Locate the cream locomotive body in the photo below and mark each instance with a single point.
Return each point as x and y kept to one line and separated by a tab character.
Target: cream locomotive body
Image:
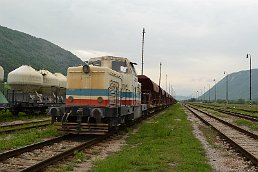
100	95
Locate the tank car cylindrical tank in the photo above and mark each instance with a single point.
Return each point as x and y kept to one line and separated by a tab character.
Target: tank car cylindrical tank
62	82
50	82
25	78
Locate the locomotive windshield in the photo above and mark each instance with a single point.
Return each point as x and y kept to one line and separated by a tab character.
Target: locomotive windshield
95	63
119	66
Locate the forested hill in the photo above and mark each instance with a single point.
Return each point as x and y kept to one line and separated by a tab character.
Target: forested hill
17	48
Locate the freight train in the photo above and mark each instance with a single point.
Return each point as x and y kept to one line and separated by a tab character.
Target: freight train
105	93
31	91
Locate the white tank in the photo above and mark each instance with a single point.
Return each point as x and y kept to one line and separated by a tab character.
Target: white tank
1	73
25	78
62	83
62	80
50	82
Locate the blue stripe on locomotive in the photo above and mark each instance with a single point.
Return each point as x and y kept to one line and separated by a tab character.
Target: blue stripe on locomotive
99	92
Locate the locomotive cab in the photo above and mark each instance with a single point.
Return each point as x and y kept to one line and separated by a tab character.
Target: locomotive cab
100	95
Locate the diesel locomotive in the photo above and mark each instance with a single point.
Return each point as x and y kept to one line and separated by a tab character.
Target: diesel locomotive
103	94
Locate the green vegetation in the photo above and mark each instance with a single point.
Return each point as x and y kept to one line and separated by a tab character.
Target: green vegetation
6	116
210	134
165	143
78	157
249	124
26	137
17	48
244	109
21	127
223	101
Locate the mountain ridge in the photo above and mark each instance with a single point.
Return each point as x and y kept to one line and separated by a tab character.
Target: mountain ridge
238	87
19	48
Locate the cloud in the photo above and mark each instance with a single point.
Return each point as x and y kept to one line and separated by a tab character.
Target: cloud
85	55
196	41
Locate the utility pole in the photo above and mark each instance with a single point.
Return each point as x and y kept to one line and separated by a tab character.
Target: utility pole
166	82
215	98
249	55
204	93
143	32
169	88
201	95
226	86
159	73
209	93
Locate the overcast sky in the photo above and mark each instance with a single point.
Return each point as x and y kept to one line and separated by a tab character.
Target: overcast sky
195	40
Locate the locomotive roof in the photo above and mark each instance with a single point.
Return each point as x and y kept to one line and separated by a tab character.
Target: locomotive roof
109	57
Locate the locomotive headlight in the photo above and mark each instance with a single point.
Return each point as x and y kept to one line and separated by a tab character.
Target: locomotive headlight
86	68
100	99
70	98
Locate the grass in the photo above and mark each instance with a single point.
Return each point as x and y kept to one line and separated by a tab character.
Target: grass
26	137
6	116
244	109
78	157
165	143
242	122
25	126
210	135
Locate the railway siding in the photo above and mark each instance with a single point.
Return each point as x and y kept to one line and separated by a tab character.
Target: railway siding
36	158
244	143
249	124
4	129
229	121
230	111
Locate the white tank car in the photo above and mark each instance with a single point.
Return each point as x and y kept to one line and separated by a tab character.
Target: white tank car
62	82
1	74
25	78
50	83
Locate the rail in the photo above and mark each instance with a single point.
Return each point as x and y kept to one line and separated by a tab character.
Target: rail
234	137
22	126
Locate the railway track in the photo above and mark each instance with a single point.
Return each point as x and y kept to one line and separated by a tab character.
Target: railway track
23	126
36	157
237	114
244	141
